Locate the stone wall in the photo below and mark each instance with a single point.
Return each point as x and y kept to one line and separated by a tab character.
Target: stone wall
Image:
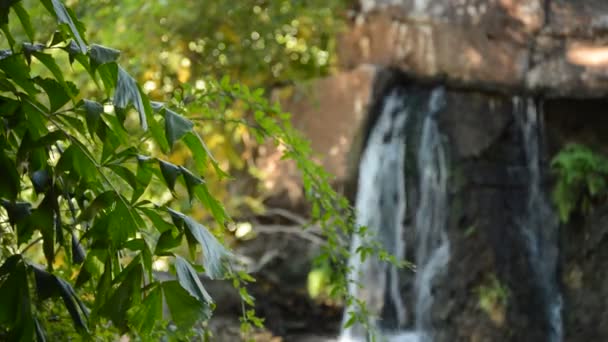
553	47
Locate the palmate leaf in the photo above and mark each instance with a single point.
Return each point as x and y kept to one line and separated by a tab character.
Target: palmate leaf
215	254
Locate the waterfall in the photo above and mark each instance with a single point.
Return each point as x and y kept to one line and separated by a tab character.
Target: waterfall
381	207
432	247
540	224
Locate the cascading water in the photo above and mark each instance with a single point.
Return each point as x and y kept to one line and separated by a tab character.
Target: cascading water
432	246
381	206
540	225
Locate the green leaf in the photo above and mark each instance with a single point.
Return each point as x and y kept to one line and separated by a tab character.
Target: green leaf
10	182
167	241
148	312
143	176
55	91
74	159
15	68
198	149
123	224
121	300
211	203
185	309
142	246
176	126
170	173
5	5
191	181
15	311
101	202
126	93
49	62
25	20
214	252
109	76
64	17
6	31
93	111
101	54
159	223
124	173
188	279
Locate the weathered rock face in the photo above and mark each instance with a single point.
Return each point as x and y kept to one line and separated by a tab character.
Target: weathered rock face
553	47
486	52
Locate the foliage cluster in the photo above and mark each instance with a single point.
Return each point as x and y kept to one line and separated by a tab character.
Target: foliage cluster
82	220
493	297
582	179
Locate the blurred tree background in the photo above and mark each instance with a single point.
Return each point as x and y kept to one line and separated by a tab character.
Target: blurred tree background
258	43
176	48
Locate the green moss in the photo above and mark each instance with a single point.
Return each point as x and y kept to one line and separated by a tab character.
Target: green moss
582	180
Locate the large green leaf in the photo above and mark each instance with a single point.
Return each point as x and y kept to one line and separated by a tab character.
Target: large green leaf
127	92
93	111
65	17
108	73
170	173
123	224
56	93
198	149
185	309
215	254
124	297
149	312
75	160
167	241
50	63
188	279
15	68
176	126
